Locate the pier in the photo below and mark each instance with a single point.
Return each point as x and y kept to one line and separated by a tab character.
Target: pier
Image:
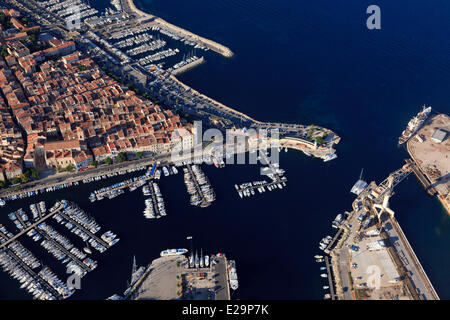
421	177
20	220
332	242
63	249
33	274
404	275
32	226
88	232
204	201
188	66
330	278
154	200
101	194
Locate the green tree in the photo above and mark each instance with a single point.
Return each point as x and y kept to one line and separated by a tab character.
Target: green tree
108	160
121	157
3	184
139	154
24	178
15	180
4	20
4	51
82	68
24	20
34	173
69	168
94	163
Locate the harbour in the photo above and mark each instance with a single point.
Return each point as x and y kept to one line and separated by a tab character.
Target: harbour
424	216
20	262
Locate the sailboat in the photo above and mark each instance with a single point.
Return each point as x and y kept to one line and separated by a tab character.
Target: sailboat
191	260
191	257
201	258
196	260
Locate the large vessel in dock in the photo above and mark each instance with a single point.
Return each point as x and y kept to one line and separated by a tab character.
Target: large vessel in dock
414	125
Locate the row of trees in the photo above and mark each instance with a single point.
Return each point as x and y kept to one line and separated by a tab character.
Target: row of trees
121	157
28	175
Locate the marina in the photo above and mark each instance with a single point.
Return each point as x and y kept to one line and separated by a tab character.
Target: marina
36	190
414	221
21	263
198	186
133	38
273	171
154	206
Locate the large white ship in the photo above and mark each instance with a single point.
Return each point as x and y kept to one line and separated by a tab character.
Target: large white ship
173	252
232	275
414	125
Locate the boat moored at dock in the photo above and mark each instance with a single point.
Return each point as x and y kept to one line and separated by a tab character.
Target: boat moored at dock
414	125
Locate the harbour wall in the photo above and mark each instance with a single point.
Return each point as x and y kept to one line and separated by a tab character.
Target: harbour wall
416	261
188	66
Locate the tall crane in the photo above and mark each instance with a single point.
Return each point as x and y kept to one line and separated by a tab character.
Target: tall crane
385	190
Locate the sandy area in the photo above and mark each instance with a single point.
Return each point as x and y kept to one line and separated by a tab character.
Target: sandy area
433	157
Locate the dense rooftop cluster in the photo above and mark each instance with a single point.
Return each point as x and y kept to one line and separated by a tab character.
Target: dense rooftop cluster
61	109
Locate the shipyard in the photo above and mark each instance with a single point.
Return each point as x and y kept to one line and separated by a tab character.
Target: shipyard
371	259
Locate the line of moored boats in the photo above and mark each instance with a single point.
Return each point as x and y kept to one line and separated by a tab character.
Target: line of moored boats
198	186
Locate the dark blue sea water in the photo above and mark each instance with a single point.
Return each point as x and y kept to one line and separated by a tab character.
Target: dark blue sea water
301	62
